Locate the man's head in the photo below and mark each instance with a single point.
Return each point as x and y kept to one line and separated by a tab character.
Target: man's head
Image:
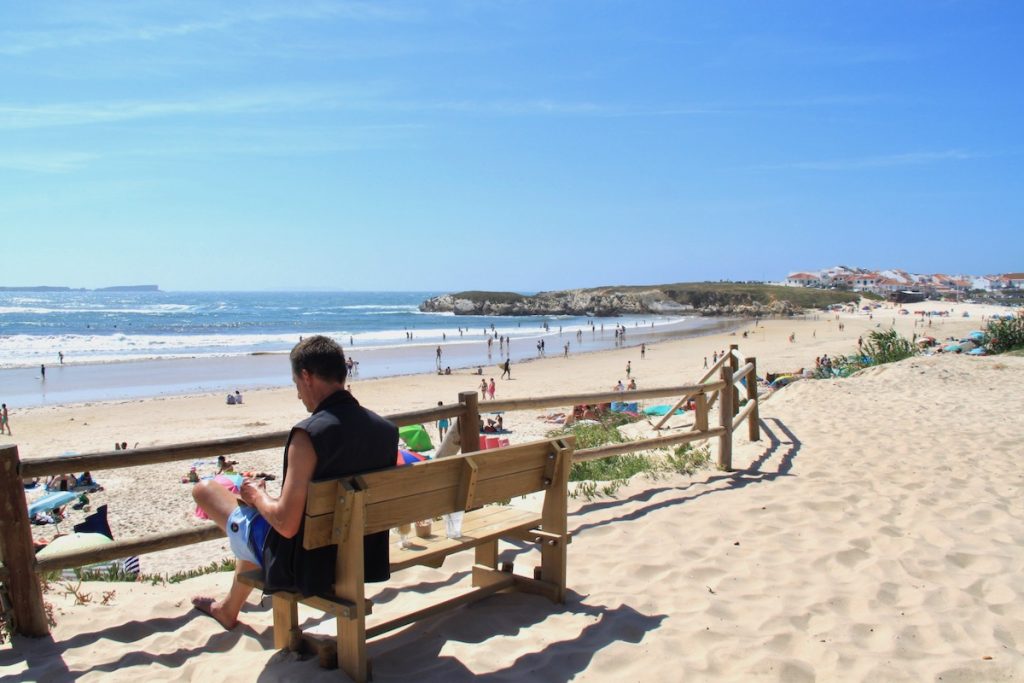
320	356
318	369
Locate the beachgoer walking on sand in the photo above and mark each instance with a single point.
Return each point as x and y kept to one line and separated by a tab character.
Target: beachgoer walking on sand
5	421
629	368
643	351
566	354
705	362
483	390
339	438
442	425
490	389
506	368
714	356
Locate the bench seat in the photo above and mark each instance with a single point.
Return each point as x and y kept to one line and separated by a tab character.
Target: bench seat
340	512
478	527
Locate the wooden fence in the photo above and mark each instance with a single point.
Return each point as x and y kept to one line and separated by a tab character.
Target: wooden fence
20	570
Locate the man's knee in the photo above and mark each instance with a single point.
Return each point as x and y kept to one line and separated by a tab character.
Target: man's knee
201	491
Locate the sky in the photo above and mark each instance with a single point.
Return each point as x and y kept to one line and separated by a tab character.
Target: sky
518	145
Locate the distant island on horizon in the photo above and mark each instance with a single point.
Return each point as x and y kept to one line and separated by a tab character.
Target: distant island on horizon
116	288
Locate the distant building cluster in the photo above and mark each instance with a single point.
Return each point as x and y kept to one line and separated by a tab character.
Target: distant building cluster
891	282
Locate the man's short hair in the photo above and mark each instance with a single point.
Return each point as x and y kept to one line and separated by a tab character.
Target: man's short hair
320	356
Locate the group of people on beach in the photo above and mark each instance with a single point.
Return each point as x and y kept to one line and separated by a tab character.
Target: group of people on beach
487	390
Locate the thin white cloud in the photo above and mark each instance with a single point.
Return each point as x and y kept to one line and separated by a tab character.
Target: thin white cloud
882	161
45	162
15	43
363	98
14	117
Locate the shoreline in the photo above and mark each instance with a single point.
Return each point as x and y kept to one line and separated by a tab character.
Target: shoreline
75	383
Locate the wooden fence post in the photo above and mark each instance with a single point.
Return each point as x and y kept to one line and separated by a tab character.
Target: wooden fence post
700	417
469	423
16	549
754	421
734	365
725	421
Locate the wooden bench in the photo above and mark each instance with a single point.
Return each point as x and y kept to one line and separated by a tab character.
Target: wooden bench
340	512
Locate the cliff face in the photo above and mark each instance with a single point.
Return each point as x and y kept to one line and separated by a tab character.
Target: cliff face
607	302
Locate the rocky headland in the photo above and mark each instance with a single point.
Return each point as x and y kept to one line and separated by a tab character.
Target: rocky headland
732	299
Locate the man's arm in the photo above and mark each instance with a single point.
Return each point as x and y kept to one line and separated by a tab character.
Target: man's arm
285	513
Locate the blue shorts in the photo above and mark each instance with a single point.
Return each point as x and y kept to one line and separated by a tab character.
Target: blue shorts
247	534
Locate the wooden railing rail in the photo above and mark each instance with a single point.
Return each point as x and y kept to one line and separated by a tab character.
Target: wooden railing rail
20	570
593	398
106	460
695	389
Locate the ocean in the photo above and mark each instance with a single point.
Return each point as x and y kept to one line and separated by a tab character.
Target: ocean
137	344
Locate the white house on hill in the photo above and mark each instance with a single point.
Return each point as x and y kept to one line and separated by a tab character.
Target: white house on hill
803	280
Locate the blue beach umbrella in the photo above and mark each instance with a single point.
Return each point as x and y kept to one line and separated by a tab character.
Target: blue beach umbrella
51	501
409	457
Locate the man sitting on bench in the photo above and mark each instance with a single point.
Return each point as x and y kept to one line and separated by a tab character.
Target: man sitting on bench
340	438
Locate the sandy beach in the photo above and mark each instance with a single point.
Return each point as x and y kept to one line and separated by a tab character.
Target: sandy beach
874	533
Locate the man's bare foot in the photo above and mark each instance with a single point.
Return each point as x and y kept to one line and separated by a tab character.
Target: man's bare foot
215	610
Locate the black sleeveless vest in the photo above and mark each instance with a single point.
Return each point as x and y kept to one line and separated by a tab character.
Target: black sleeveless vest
348	439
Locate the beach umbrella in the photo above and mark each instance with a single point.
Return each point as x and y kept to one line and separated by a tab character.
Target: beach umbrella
415	437
51	501
976	335
409	457
75	541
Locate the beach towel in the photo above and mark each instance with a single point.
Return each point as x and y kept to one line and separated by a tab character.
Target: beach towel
661	410
96	523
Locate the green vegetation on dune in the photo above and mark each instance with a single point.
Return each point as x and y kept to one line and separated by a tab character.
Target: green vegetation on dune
1003	335
605	476
700	294
494	297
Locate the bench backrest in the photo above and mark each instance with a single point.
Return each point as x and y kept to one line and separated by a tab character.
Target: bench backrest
406	494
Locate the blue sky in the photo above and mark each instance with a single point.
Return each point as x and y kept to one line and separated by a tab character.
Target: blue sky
505	144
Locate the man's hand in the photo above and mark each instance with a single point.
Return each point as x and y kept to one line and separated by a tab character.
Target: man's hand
252	490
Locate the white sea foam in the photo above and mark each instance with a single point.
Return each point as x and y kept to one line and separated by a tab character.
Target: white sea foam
155	309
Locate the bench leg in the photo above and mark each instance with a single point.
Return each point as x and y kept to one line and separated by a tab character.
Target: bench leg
286	623
352	648
552	567
487	556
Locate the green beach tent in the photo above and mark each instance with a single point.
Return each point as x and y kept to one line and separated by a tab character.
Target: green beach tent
415	437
